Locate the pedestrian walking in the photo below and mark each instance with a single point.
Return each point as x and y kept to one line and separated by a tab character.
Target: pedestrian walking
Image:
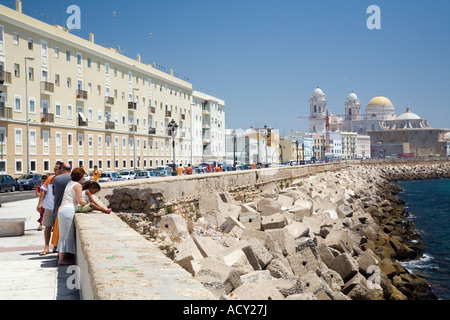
180	170
96	174
38	193
46	201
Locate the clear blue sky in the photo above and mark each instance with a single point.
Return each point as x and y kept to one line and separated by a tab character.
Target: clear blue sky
265	58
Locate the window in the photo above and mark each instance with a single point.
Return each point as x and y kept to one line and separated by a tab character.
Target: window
99	116
46	141
17	104
69	112
30	43
107	69
32	103
19	166
69	140
30	73
79	59
68	56
89	62
90	115
57	80
33	140
56	53
69	83
43	48
16	70
16	39
18	140
98	66
58	110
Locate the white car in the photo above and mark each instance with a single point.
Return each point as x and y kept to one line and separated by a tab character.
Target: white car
126	175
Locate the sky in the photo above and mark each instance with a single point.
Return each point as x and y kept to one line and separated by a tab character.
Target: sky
265	58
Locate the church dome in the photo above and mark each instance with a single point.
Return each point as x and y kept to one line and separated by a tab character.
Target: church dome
408	115
352	96
380	101
380	108
318	92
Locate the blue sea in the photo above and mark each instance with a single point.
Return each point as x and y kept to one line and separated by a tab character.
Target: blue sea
428	202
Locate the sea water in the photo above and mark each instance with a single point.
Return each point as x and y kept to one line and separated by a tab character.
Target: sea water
428	202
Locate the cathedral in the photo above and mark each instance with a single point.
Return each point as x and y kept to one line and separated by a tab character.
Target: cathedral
379	116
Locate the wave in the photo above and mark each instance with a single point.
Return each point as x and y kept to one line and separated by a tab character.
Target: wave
424	263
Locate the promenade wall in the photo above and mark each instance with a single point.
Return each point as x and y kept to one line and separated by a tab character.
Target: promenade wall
117	262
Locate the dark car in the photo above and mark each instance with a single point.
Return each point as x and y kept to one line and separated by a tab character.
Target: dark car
29	181
8	183
163	173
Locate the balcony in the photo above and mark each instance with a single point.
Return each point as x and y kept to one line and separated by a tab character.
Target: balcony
110	125
131	106
109	101
152	110
206	125
183	117
205	111
5	112
133	128
47	117
168	114
47	88
151	131
82	95
6	78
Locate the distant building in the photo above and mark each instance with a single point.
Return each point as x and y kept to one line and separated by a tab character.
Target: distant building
363	149
379	115
418	142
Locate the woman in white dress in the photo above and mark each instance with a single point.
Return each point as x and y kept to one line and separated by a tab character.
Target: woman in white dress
72	198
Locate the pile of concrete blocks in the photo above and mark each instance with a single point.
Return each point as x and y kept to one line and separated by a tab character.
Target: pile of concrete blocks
302	242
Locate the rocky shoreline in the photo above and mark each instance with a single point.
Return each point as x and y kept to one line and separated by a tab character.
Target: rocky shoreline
332	236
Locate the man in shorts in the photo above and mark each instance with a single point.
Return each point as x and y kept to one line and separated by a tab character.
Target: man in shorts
46	201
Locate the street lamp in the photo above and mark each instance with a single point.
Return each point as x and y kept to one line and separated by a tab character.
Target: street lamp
234	150
27	110
134	129
173	126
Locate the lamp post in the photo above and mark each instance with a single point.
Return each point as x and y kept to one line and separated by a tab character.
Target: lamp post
27	110
296	144
303	153
173	126
134	129
234	150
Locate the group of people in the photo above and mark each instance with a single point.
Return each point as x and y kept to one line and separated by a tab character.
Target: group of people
190	170
60	196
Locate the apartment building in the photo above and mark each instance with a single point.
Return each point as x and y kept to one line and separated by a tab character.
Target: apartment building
208	127
67	98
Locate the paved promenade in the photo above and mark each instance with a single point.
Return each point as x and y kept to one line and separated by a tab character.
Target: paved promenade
24	275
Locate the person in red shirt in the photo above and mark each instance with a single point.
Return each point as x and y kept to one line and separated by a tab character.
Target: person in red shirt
189	170
208	168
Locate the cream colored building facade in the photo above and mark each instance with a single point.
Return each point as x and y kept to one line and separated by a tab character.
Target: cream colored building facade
78	98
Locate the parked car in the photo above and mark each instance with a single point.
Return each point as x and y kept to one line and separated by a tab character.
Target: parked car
145	175
109	177
8	183
126	174
163	173
29	181
199	170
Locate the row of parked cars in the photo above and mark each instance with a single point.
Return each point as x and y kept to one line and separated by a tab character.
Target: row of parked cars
122	175
24	182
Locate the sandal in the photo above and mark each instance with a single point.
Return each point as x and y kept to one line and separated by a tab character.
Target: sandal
44	253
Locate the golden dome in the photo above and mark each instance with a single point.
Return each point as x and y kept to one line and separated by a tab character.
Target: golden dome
381	101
